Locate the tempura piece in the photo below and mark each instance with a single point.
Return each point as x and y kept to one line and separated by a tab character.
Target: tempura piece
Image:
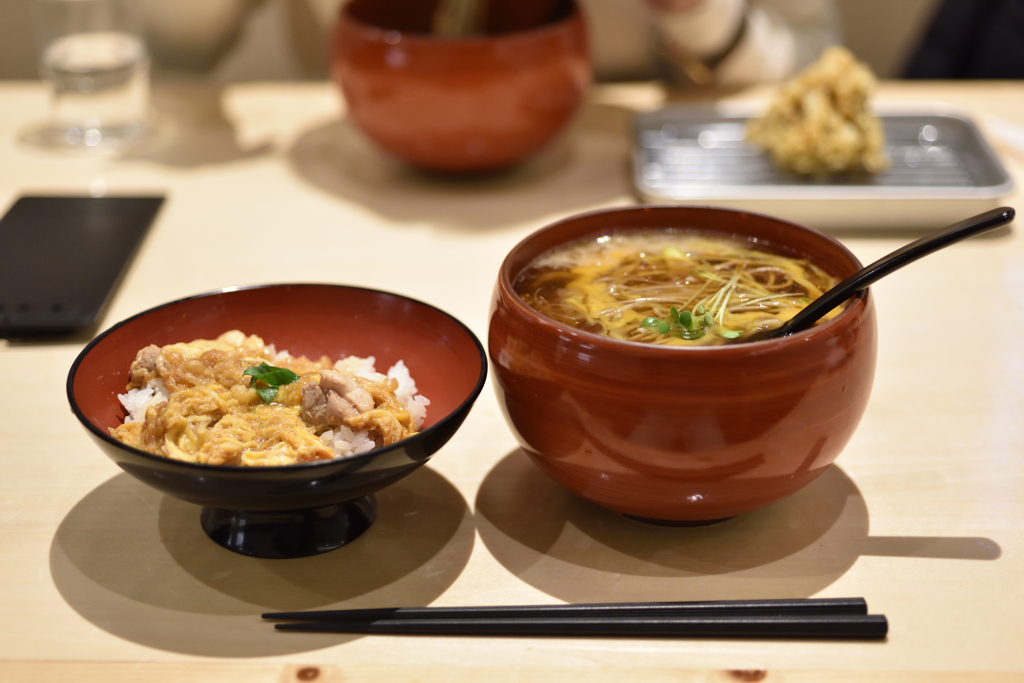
819	122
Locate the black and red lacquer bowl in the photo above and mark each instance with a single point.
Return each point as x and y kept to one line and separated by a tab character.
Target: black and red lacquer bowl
304	509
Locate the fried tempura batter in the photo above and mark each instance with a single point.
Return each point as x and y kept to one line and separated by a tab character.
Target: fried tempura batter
819	122
213	415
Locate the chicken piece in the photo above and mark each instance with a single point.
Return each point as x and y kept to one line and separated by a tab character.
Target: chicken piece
337	397
390	420
143	368
347	387
340	409
313	409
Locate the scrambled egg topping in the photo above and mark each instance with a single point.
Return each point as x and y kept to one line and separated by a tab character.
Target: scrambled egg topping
212	415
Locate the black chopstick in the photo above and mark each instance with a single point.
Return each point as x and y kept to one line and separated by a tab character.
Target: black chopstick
837	618
849	627
713	608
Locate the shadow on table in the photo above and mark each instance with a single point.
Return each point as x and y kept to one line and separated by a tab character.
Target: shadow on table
136	563
191	129
578	552
587	166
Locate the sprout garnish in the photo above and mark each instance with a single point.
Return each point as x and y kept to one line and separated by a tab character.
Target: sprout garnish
681	323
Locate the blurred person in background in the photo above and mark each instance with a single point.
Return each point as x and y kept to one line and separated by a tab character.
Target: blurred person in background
971	39
726	42
703	42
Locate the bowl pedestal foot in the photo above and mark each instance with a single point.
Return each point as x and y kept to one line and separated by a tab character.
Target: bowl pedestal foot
280	534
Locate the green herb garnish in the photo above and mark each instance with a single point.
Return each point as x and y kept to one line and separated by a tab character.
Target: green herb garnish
271	376
681	323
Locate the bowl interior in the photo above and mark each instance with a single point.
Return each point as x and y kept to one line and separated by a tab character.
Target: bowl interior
442	355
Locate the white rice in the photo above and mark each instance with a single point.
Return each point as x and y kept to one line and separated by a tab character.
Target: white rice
407	393
137	401
346	442
342	440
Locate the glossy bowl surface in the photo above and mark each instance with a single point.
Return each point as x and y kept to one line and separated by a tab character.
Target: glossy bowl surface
306	508
461	105
681	434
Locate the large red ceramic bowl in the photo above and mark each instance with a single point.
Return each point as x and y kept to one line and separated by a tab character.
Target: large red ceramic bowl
308	508
461	105
682	434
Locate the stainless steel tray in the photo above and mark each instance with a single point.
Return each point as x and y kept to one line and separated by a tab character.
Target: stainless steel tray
942	169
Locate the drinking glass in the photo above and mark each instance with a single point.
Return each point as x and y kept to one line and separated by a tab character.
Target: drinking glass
95	62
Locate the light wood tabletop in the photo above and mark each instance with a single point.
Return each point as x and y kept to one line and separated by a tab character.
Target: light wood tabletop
103	578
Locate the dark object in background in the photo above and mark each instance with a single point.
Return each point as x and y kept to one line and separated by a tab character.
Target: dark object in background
980	39
62	257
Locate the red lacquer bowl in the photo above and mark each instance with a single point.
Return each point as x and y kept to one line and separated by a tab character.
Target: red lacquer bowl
308	508
461	105
682	434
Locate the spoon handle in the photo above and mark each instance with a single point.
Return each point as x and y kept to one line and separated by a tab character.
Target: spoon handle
863	278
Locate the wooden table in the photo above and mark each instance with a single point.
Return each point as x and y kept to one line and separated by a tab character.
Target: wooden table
104	579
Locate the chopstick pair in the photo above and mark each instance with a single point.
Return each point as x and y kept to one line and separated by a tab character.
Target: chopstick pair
835	618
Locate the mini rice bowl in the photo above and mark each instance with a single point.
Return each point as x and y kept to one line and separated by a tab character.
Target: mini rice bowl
306	508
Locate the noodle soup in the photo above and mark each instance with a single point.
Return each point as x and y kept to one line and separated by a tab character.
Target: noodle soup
672	431
670	287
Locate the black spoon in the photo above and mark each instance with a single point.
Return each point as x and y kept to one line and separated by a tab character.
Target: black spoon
860	280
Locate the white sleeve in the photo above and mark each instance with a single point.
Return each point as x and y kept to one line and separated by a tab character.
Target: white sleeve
775	37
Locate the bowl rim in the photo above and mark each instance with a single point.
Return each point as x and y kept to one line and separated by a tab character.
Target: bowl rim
270	470
855	307
372	31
